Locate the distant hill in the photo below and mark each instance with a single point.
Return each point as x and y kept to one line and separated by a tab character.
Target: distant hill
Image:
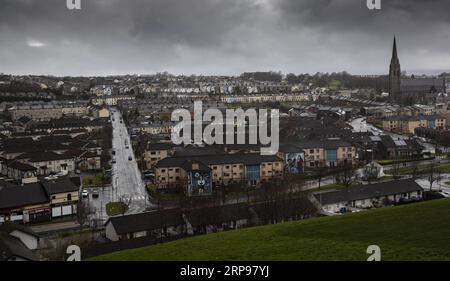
418	231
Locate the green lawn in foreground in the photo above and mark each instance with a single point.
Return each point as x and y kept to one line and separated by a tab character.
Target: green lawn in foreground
419	231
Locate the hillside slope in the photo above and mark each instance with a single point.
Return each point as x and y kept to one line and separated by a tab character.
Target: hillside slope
412	232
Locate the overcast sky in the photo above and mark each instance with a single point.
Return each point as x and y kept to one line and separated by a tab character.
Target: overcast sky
221	36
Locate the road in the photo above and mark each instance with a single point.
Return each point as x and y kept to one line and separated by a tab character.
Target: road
361	125
127	180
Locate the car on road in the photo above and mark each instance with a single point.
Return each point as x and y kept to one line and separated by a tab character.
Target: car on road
126	147
113	152
95	194
85	193
130	158
114	161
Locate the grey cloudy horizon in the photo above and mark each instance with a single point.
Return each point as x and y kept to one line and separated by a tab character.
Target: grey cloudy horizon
221	37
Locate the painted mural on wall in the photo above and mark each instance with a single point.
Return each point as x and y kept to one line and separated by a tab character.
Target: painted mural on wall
201	183
294	163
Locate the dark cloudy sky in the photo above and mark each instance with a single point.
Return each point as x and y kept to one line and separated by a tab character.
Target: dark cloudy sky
221	36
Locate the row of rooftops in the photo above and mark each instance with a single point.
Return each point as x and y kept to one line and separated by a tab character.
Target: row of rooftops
210	215
364	192
414	118
246	159
31	147
218	149
14	196
13	245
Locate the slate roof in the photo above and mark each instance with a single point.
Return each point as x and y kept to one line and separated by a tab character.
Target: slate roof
218	214
60	185
146	221
246	159
368	191
18	196
11	247
20	166
9	227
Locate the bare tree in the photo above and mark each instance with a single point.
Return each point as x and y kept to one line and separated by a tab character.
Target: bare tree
414	169
433	174
347	175
126	203
321	172
83	213
396	171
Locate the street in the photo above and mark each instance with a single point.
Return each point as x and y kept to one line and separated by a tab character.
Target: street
361	125
127	182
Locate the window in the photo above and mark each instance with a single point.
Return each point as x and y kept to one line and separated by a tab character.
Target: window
69	197
163	170
311	151
177	170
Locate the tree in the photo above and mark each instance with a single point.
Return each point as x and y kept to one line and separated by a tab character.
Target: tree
321	172
414	169
347	175
396	171
433	174
83	213
126	203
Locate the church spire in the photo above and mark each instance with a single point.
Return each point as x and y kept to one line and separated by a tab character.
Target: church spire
395	75
394	51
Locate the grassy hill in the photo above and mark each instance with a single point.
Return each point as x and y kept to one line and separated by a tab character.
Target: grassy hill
411	232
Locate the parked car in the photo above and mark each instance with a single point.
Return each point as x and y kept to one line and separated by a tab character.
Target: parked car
444	194
95	194
85	193
130	158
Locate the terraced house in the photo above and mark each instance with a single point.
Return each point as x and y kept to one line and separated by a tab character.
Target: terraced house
192	173
407	124
328	153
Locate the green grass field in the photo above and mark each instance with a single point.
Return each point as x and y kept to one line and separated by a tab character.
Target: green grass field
116	208
422	169
418	231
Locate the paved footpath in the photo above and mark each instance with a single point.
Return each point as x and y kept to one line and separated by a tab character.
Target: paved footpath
42	228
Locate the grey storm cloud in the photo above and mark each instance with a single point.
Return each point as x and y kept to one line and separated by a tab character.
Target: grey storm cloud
220	36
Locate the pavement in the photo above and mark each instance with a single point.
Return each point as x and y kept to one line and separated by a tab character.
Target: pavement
50	227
